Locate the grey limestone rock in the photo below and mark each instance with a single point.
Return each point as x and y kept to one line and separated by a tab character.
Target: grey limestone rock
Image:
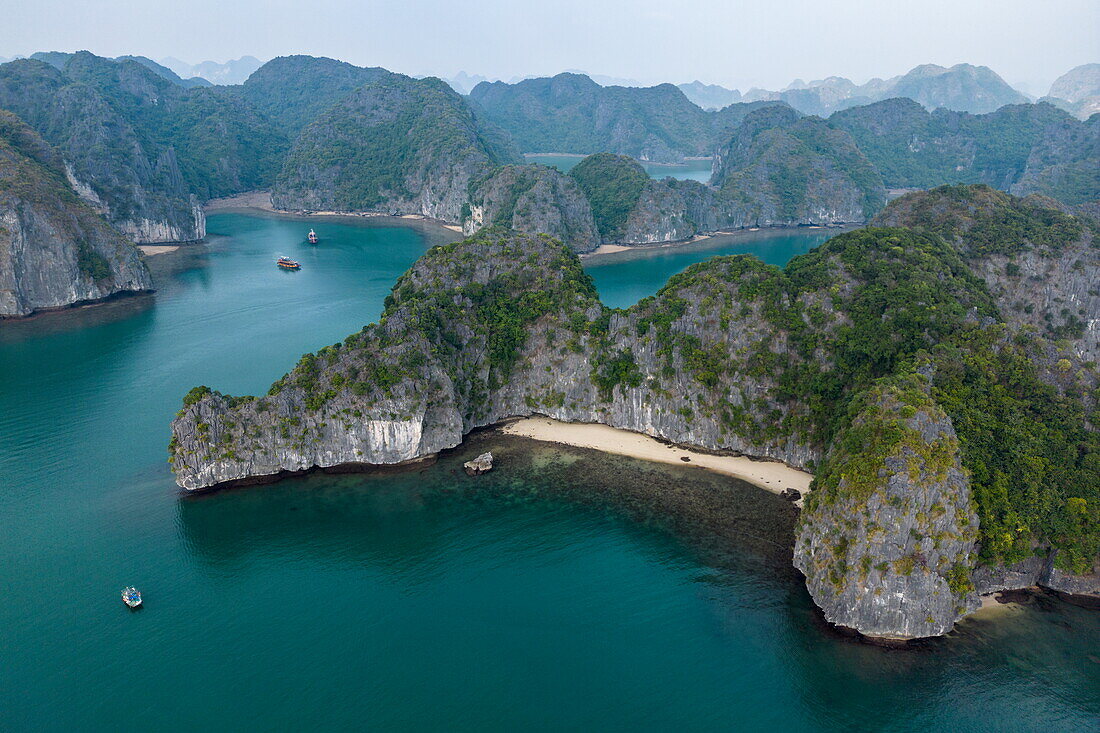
886	537
481	464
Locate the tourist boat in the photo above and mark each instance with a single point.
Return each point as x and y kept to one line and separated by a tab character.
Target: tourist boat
287	264
131	596
312	237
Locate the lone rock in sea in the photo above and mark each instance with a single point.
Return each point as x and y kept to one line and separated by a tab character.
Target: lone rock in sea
481	464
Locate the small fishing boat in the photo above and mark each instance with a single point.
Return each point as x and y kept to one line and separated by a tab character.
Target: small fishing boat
312	237
287	264
131	596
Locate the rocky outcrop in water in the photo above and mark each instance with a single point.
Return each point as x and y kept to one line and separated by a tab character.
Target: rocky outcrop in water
482	464
54	250
499	325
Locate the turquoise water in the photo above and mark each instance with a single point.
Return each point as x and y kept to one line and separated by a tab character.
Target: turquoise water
692	170
550	594
624	278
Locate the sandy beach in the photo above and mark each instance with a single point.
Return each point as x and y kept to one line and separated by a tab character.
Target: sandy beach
716	239
770	475
157	249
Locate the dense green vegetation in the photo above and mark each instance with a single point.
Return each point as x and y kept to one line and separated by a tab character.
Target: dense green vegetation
1065	163
1026	147
221	145
613	184
797	164
292	91
1034	462
382	141
141	142
912	291
981	221
1031	455
570	113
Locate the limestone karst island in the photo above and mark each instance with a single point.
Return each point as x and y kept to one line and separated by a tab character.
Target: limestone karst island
544	370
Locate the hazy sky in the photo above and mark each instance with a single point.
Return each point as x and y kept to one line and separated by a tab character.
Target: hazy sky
732	42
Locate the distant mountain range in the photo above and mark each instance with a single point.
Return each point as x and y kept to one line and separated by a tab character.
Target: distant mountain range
235	71
963	88
1077	91
208	73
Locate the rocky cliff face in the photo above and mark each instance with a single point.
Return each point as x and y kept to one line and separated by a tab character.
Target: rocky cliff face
661	215
142	150
54	250
886	537
140	191
533	199
345	159
498	325
703	363
814	365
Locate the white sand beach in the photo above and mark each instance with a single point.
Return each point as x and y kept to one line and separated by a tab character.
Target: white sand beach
770	475
157	249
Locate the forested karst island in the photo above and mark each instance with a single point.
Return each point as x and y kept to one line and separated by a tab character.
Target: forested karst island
925	371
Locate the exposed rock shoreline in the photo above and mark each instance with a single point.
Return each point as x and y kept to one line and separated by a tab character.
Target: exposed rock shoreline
712	521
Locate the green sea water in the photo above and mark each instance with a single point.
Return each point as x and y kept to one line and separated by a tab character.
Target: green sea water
691	170
564	590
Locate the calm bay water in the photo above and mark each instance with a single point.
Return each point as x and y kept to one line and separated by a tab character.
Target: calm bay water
548	594
692	170
624	278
